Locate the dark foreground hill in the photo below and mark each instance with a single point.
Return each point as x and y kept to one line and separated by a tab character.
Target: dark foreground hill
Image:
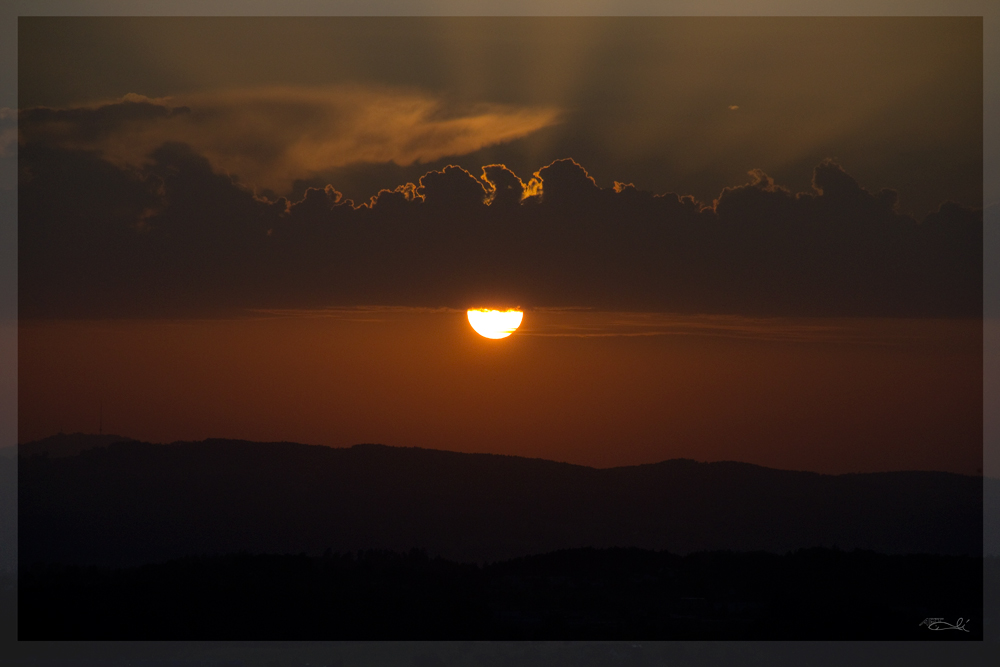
130	503
569	595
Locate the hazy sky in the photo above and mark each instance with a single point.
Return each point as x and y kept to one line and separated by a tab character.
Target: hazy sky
144	141
591	388
651	101
179	153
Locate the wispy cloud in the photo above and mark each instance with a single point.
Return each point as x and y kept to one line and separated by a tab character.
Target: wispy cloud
348	314
269	137
581	323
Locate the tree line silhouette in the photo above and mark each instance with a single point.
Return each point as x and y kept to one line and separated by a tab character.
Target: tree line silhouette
570	594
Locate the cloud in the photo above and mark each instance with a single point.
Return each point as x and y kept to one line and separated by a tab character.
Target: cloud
506	187
177	237
270	137
565	181
452	187
595	324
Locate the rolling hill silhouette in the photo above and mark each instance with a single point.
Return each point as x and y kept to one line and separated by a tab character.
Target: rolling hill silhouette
128	503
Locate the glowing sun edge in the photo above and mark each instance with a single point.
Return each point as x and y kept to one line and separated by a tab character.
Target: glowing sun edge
494	323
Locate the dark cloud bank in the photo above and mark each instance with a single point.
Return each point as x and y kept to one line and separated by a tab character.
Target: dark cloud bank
175	238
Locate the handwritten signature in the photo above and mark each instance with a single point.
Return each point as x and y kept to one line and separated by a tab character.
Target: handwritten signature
939	624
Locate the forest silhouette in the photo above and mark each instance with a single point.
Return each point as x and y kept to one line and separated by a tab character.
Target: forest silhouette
130	503
578	594
226	539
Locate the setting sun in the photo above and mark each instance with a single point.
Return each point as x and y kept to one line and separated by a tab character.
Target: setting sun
494	323
749	402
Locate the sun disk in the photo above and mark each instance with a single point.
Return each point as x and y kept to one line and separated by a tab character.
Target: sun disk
495	324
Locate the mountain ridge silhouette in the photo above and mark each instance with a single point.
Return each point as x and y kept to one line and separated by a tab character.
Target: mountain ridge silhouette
130	502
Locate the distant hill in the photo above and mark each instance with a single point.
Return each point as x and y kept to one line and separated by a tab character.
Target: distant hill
66	444
130	502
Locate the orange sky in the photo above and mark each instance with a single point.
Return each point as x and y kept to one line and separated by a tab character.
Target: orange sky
196	117
599	389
